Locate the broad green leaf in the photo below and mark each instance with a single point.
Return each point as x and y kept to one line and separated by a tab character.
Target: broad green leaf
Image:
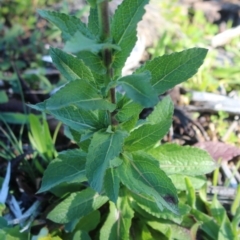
64	188
77	205
163	110
104	119
127	109
140	173
72	134
173	231
70	67
139	89
111	184
69	25
93	23
80	42
89	222
93	61
129	124
117	225
128	113
78	119
170	70
104	147
86	223
186	160
78	94
155	128
179	181
69	166
123	29
149	205
145	137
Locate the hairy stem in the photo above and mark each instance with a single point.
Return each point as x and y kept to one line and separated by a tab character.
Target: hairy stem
104	25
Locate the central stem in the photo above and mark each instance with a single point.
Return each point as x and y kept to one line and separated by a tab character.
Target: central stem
104	26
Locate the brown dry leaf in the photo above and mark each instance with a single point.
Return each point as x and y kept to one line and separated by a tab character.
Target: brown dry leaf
219	150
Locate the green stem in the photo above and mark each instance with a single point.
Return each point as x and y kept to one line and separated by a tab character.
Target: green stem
104	26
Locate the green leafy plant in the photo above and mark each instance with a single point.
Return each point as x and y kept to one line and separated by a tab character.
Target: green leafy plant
120	159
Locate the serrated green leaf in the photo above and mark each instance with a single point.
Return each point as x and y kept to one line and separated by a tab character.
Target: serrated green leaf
93	61
104	119
70	67
72	134
69	166
66	188
156	127
69	25
145	136
80	42
93	23
127	109
78	119
86	223
129	124
89	222
186	160
128	113
139	89
117	225
111	184
76	206
103	148
164	109
149	134
170	70
123	29
149	205
141	174
78	94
